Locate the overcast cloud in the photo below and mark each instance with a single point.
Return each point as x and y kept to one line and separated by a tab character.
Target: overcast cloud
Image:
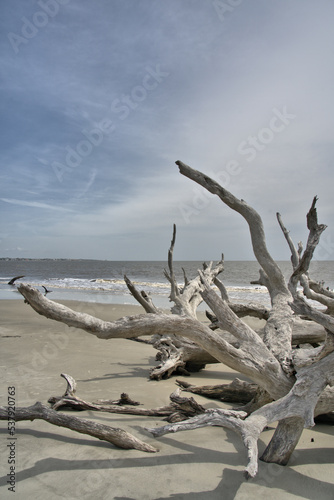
99	99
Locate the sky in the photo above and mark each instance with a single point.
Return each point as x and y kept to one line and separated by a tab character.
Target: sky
100	98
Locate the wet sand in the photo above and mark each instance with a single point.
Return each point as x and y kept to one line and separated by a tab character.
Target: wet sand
55	463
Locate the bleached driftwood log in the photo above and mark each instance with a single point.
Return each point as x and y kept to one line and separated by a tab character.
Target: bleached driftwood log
237	391
113	435
298	387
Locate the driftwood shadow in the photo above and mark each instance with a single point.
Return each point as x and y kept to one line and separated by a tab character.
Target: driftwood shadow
284	479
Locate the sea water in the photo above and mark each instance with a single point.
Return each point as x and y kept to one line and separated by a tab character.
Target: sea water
103	281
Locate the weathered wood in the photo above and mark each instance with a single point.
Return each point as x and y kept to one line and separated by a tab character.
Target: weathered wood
301	263
237	391
284	441
315	231
70	400
300	306
307	332
319	288
303	331
178	355
295	255
143	299
179	408
115	436
253	310
251	343
186	299
280	317
299	405
252	218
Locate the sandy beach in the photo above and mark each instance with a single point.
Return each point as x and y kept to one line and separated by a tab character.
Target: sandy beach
204	464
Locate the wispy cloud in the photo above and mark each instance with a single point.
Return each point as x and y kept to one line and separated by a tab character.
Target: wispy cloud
35	204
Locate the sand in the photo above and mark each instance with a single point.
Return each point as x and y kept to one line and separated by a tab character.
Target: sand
56	463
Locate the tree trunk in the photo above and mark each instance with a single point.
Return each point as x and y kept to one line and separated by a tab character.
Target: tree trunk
284	441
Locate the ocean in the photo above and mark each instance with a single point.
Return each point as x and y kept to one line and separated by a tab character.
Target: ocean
101	281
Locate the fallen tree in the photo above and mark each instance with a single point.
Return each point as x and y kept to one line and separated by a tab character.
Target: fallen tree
293	385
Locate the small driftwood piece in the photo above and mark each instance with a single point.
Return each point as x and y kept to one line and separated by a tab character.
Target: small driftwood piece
115	436
70	400
179	409
237	391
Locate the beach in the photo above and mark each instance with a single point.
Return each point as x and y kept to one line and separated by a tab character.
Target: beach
203	464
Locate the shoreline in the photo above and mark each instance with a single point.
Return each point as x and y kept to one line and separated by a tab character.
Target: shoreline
202	464
241	294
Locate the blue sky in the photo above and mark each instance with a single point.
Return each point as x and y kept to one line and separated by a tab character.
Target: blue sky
100	98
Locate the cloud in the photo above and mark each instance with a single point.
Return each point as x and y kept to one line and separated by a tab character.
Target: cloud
35	204
217	82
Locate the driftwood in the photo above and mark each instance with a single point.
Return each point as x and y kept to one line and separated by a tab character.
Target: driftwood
115	436
70	400
294	385
179	408
178	355
188	297
299	403
237	391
